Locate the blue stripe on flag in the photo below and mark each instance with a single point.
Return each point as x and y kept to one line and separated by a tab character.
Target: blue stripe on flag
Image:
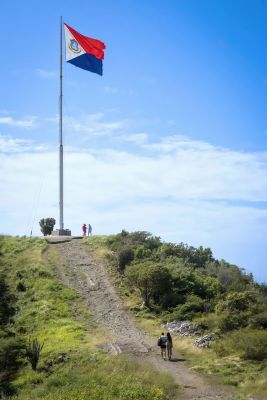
89	63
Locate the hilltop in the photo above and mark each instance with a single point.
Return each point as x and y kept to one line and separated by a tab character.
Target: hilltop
96	305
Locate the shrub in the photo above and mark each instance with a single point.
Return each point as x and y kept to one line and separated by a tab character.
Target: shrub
21	287
259	320
125	257
237	301
33	351
142	252
6	303
249	344
152	280
47	225
229	321
12	351
193	305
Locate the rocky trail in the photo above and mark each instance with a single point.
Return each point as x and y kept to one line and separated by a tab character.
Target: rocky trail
80	271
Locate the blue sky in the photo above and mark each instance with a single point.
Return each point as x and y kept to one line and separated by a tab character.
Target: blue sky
172	139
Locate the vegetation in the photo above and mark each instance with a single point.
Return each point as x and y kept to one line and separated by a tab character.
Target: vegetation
162	282
71	365
47	225
33	351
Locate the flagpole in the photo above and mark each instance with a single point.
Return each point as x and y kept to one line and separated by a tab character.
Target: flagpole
61	223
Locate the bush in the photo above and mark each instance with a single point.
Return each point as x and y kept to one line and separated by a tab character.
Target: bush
152	280
47	225
230	321
21	287
12	351
191	307
249	344
259	320
6	303
237	301
33	351
125	257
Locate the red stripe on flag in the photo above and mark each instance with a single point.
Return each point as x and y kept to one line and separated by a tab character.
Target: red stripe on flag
91	46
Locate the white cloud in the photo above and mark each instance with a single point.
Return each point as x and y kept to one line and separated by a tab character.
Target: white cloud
137	138
23	123
10	145
180	189
46	74
94	124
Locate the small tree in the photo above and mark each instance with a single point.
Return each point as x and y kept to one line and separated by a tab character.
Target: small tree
33	351
152	281
47	225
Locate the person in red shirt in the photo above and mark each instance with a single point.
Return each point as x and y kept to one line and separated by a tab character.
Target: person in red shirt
84	229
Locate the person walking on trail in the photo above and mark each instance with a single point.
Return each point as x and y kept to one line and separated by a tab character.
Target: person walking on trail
169	345
162	342
84	229
90	229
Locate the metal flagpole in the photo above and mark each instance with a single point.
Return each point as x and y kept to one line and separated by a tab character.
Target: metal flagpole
61	223
61	231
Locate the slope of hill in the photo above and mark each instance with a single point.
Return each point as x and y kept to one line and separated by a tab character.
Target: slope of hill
63	294
72	365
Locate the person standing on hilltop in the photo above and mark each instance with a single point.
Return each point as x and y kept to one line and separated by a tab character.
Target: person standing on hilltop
84	229
90	229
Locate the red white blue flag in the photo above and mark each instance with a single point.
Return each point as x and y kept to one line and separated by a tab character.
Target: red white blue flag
84	52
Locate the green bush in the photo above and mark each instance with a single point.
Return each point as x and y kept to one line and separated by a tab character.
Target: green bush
33	351
229	321
125	257
259	320
152	280
21	287
248	344
237	301
193	305
12	351
47	225
7	301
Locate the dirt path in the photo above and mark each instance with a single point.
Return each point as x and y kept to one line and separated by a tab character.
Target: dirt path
80	271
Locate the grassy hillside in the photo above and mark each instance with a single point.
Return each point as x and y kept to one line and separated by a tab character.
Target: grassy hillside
161	282
72	366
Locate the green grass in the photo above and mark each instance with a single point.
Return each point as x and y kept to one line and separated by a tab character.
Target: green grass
72	365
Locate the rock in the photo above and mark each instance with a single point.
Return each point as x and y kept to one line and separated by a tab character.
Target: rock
183	328
61	359
204	341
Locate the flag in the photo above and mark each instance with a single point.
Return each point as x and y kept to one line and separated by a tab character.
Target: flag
84	52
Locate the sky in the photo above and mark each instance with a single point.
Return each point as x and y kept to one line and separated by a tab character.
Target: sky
172	139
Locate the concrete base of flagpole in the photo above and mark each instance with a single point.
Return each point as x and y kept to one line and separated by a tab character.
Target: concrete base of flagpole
61	232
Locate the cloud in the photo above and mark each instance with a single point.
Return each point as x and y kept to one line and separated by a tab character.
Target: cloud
94	124
23	123
10	145
46	74
137	138
177	188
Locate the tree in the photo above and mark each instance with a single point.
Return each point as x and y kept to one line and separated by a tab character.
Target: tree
152	280
47	225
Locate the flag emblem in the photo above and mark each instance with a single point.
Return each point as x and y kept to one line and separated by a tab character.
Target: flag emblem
84	52
74	46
